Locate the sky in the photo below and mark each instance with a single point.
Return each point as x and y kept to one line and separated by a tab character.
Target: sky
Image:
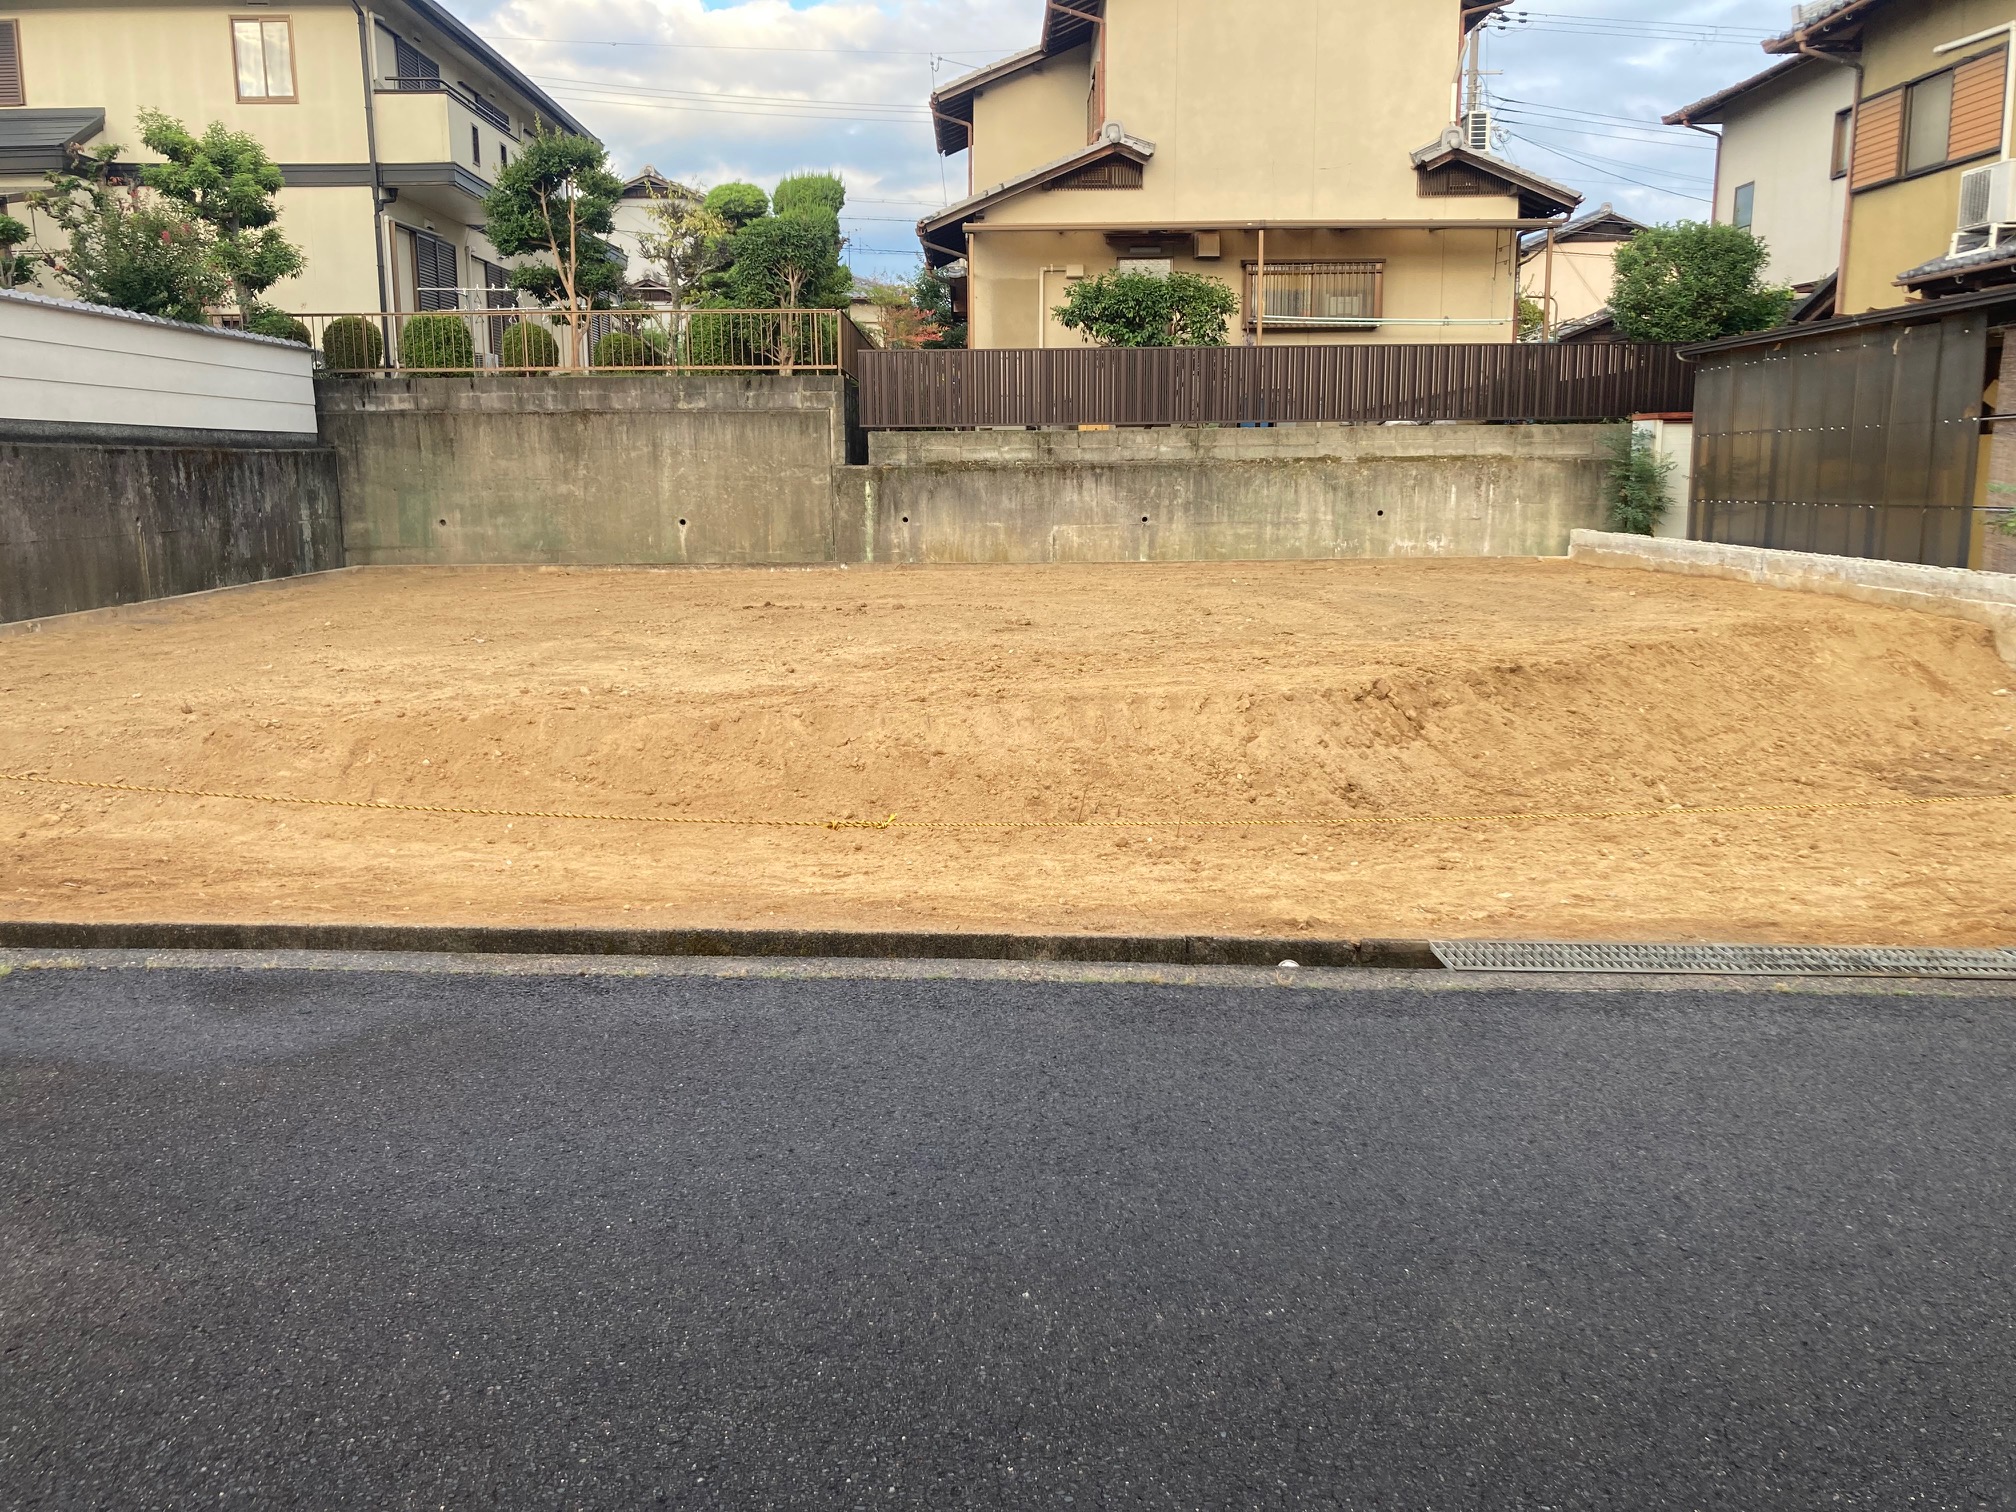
711	90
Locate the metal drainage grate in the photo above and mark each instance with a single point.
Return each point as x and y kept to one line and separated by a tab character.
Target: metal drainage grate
1725	960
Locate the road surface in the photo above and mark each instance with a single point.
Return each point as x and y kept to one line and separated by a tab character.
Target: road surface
347	1239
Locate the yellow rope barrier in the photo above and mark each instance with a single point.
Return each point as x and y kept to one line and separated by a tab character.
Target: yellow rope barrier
1672	811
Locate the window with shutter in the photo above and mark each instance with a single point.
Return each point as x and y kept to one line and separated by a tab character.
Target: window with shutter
416	69
434	272
13	89
1879	139
1978	102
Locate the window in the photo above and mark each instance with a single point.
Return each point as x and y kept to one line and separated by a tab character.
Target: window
503	156
13	90
1316	295
476	146
1744	207
1843	127
265	51
1952	116
1928	121
430	271
413	68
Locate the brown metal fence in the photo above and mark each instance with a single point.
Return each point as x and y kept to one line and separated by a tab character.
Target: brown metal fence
1850	442
911	390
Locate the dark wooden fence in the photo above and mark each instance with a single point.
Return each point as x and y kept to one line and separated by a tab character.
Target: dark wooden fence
1857	441
1249	385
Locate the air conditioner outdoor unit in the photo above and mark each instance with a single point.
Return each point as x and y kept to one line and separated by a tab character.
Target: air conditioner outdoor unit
1987	196
1477	130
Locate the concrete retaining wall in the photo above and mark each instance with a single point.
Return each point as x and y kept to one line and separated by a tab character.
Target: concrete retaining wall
85	524
587	469
1230	494
1983	598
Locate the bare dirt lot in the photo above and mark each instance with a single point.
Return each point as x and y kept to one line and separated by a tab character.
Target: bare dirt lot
1300	691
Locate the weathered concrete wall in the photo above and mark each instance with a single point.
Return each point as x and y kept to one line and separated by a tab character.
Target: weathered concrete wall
87	523
1983	598
586	468
1228	494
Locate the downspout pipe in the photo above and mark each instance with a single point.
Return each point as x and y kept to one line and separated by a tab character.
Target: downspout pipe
371	147
1806	50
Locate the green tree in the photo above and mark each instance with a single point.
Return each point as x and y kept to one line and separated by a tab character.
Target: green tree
787	262
1694	282
684	241
821	194
16	267
933	295
737	204
1532	319
1146	310
224	180
558	198
126	251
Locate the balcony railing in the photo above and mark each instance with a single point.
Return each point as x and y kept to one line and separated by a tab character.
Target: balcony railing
484	339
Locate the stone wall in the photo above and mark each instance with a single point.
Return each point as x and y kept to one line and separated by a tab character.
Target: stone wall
587	468
89	522
1231	494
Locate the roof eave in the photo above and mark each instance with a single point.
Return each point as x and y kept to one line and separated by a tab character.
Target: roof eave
459	32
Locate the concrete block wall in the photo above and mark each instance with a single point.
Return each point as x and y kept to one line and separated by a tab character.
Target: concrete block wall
1231	494
586	468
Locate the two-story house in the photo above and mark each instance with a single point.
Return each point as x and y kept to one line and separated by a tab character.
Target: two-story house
1313	154
1931	107
1781	164
389	122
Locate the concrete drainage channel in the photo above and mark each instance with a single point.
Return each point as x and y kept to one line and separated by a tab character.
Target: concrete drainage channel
1471	956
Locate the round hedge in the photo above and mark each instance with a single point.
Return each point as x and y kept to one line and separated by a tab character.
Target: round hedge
626	349
439	342
525	345
352	344
278	323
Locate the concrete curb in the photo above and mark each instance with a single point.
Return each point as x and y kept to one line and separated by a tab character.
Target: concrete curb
1981	598
1151	950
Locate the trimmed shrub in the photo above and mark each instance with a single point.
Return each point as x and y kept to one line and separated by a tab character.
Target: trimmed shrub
439	342
352	344
627	349
267	321
525	345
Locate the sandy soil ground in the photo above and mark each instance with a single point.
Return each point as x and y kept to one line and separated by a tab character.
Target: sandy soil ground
1291	690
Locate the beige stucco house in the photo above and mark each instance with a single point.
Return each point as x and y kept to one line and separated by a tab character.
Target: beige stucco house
1568	271
1781	161
389	121
1931	112
1312	147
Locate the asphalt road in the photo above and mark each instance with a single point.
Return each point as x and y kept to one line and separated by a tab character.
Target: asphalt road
320	1240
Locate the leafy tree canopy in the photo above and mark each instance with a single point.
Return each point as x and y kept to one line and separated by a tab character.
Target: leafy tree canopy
225	180
816	194
557	198
16	267
1146	310
737	204
933	295
786	262
684	241
1694	282
125	251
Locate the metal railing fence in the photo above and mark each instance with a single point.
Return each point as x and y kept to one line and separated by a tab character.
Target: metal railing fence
1364	382
506	341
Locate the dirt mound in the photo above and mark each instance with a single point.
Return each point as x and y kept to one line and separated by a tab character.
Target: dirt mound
1284	691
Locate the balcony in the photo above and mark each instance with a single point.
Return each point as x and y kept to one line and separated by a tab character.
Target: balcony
438	146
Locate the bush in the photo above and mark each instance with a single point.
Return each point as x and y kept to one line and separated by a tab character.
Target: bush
352	344
1635	484
1143	310
525	345
627	349
267	321
1694	282
440	342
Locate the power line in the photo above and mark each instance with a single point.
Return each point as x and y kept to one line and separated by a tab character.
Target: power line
721	97
1553	128
1611	177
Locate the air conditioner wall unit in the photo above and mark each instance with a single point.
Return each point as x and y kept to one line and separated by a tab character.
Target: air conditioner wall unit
1477	130
1987	196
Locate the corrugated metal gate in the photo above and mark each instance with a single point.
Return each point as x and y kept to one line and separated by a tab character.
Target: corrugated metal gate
909	390
1859	442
